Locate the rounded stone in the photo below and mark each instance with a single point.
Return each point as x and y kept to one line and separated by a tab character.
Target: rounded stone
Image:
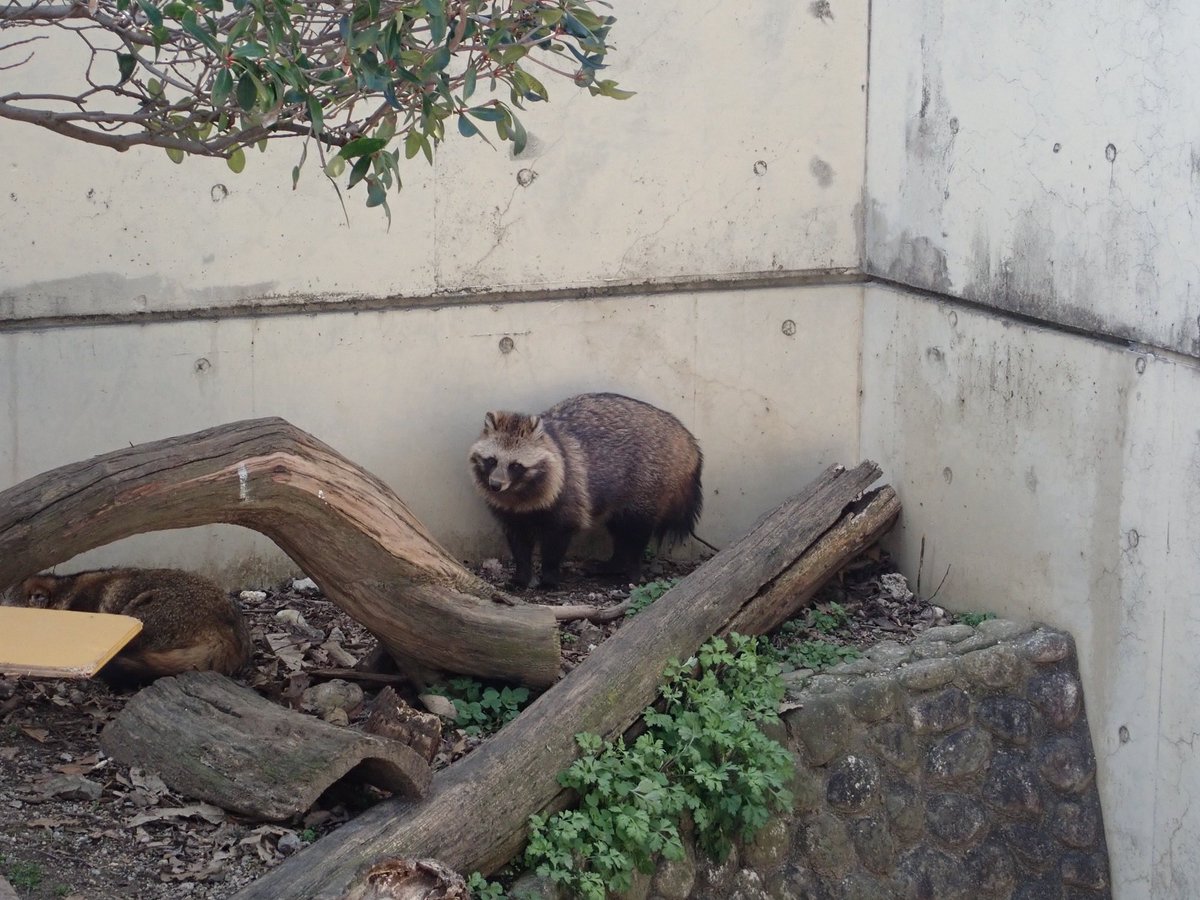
954	819
863	666
826	683
1011	786
927	873
872	840
328	696
1047	887
873	699
796	882
1002	629
1031	844
932	650
535	887
1044	646
949	633
675	878
853	782
958	755
821	728
863	887
808	790
1059	696
713	878
639	887
1008	718
905	813
940	712
1076	825
825	844
990	868
1085	870
894	744
995	667
769	847
890	654
1067	764
928	674
746	884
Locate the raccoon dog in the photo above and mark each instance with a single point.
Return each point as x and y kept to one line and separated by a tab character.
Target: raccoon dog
187	621
595	459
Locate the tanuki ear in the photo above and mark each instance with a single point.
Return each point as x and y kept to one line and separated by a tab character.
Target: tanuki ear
535	425
489	422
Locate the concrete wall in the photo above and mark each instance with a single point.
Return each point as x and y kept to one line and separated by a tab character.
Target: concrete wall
699	175
1041	159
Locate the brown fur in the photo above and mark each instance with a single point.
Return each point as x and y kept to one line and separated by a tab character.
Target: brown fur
187	621
595	459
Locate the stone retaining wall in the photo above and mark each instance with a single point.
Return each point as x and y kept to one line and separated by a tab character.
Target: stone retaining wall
958	766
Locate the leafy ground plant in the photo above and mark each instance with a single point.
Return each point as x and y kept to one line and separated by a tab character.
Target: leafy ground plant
645	594
703	754
973	618
483	709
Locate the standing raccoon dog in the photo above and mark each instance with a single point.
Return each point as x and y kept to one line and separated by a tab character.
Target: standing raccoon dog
595	459
187	621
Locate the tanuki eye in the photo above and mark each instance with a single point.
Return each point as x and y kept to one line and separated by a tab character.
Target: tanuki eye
516	469
488	463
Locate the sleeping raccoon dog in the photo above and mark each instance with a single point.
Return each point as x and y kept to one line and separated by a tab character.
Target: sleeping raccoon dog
187	621
595	459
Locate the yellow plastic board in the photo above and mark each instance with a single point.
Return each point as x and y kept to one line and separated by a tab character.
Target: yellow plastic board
55	643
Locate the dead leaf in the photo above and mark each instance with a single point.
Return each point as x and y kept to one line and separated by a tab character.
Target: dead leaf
214	815
49	823
7	753
38	734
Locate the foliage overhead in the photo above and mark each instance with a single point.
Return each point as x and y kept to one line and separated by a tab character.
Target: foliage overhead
360	80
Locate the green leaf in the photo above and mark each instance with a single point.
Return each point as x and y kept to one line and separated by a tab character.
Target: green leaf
222	86
236	161
363	146
316	115
247	92
468	87
518	136
192	27
359	172
412	144
466	128
487	113
608	88
335	167
175	154
153	13
250	50
126	62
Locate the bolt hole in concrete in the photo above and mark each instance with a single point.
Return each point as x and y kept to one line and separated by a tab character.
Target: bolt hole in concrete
526	177
1057	147
1140	365
1110	153
789	327
760	167
218	193
1123	734
203	365
506	344
948	474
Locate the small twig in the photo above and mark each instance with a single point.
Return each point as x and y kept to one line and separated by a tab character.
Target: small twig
940	583
595	614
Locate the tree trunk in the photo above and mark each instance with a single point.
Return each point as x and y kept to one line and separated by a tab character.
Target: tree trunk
211	738
344	527
475	814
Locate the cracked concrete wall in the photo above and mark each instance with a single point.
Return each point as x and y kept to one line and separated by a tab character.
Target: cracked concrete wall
716	168
1056	478
1041	158
403	393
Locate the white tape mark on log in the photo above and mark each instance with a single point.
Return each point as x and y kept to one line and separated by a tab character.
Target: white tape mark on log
243	482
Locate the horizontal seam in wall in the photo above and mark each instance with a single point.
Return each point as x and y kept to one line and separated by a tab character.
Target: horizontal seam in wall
1104	337
262	307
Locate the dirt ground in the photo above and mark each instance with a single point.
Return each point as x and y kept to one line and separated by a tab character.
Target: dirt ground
76	824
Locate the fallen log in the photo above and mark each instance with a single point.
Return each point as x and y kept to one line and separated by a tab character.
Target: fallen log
475	815
344	527
213	739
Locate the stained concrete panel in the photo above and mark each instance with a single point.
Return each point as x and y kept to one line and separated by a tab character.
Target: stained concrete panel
403	393
742	152
1041	158
1051	477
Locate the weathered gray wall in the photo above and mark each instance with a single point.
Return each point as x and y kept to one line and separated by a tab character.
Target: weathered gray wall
1041	158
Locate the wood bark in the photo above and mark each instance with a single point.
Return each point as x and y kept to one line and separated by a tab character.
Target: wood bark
345	528
211	738
476	812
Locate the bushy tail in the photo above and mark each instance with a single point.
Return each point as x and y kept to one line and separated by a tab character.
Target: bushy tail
681	524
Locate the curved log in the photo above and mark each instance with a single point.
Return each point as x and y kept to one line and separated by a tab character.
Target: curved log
475	814
344	527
